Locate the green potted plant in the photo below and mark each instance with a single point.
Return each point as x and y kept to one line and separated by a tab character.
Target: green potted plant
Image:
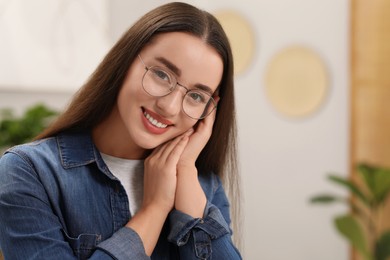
361	225
16	130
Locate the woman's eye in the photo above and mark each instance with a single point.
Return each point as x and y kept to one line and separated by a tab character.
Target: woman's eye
197	97
162	75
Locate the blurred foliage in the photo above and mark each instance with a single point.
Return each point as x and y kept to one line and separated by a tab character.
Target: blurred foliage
17	130
361	227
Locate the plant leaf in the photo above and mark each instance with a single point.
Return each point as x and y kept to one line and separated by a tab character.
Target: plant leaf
326	198
351	186
382	247
349	227
367	172
382	185
377	180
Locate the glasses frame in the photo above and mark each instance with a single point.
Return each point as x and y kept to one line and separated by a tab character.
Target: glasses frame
176	83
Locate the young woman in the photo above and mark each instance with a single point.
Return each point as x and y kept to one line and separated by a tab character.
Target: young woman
133	168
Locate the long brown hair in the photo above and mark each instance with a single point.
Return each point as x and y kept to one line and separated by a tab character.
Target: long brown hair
95	100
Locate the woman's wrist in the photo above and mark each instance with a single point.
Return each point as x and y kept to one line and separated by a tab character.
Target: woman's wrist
148	222
190	197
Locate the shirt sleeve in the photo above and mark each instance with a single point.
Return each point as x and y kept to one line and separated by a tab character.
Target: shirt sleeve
29	229
129	250
207	237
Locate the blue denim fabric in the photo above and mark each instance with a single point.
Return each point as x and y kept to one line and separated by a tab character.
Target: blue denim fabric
58	200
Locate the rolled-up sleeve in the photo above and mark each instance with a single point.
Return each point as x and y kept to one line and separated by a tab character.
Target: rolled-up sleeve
207	237
117	249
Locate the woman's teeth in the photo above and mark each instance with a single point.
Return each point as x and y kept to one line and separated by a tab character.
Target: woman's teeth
154	121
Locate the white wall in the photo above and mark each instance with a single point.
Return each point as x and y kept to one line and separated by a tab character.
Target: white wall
283	160
51	45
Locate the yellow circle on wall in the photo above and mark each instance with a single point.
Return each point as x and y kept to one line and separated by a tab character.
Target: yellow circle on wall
241	38
296	81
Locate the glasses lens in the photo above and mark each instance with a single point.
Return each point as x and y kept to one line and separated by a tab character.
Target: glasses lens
198	104
157	82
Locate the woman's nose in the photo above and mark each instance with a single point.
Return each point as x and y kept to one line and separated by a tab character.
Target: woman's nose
170	105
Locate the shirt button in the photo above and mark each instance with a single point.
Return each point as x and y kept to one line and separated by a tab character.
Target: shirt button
201	221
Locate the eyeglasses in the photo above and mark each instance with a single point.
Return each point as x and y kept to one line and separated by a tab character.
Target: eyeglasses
159	82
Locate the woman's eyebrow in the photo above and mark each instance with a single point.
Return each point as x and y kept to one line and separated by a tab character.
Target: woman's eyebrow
177	71
204	88
169	65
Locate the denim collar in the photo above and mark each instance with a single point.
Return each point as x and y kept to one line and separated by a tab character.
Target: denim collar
76	149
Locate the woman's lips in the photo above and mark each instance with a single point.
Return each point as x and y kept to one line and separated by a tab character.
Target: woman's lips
157	117
154	123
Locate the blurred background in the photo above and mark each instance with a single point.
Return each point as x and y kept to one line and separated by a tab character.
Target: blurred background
312	88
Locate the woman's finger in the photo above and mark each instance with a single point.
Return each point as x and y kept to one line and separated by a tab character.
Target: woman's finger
164	150
175	153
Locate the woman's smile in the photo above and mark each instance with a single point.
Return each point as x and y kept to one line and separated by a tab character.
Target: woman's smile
154	123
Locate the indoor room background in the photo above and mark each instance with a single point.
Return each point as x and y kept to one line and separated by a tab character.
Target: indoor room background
294	72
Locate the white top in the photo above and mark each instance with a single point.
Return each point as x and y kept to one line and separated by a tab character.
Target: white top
131	175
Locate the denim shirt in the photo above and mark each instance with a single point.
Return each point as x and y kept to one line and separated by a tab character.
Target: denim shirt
58	200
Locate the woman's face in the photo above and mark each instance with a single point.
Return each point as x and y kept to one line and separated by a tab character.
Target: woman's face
192	62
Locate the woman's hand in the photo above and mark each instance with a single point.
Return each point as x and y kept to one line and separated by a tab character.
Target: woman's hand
190	197
198	140
160	181
160	174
